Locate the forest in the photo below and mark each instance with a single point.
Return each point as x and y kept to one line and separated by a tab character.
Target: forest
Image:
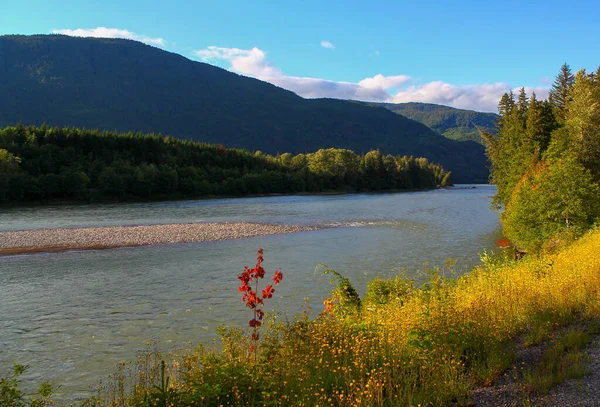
545	161
49	164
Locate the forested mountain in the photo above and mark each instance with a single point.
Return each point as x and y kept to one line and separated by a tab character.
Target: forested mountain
123	85
455	124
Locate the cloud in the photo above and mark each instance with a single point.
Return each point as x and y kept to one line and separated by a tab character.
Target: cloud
379	88
483	97
253	62
103	32
327	44
479	97
385	82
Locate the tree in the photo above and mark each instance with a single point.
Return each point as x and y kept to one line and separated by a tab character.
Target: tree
582	120
373	170
506	105
9	167
560	92
522	106
74	184
554	196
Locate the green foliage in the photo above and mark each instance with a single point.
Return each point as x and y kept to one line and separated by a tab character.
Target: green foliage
556	195
582	121
546	162
11	394
383	291
123	85
560	92
42	163
348	299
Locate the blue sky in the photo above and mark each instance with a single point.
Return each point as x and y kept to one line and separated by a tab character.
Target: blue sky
463	54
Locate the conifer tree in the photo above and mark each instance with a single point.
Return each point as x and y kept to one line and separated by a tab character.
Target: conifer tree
560	92
506	104
534	125
522	106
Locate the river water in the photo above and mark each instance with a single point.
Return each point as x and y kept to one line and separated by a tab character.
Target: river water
73	316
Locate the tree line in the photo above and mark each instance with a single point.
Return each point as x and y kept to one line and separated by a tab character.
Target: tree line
545	160
41	164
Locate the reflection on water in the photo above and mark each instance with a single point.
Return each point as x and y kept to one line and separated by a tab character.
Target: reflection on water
72	316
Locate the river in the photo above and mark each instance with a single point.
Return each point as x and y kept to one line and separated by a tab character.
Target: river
73	316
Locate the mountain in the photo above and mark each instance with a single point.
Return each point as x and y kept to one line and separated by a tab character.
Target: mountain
455	124
124	85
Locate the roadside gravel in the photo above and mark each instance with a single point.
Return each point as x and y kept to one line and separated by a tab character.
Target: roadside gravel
510	390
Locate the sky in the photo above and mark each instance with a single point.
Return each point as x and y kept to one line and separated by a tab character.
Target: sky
464	54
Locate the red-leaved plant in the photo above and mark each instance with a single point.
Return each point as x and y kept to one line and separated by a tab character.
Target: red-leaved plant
249	278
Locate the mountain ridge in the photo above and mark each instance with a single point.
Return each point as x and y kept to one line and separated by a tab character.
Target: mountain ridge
450	122
124	85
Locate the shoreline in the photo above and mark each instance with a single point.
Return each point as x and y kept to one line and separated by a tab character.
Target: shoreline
110	237
37	204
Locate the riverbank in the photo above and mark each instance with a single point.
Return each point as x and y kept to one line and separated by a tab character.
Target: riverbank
67	202
53	240
450	342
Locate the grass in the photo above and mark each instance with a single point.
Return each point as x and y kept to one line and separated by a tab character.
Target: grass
563	360
400	346
404	346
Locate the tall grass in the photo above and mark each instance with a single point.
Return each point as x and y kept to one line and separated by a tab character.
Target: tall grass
404	346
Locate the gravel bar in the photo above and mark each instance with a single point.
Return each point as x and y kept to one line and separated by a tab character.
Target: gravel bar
51	240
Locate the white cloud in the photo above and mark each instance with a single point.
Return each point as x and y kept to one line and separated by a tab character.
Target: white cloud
479	97
104	32
253	62
385	82
327	44
379	88
483	97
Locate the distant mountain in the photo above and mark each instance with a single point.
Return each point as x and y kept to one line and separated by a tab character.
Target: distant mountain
455	124
125	85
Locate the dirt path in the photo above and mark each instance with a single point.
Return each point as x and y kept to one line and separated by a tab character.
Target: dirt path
510	389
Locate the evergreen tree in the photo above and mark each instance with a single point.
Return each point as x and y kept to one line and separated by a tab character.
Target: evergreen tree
506	105
534	126
522	106
560	92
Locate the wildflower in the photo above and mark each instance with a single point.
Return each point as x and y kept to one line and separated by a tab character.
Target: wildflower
249	277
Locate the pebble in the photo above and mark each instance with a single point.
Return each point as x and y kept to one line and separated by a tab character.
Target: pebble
40	240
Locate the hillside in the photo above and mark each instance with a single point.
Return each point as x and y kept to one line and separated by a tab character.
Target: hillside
455	124
124	85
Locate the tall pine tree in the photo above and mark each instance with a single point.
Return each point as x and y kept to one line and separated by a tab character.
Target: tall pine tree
560	92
